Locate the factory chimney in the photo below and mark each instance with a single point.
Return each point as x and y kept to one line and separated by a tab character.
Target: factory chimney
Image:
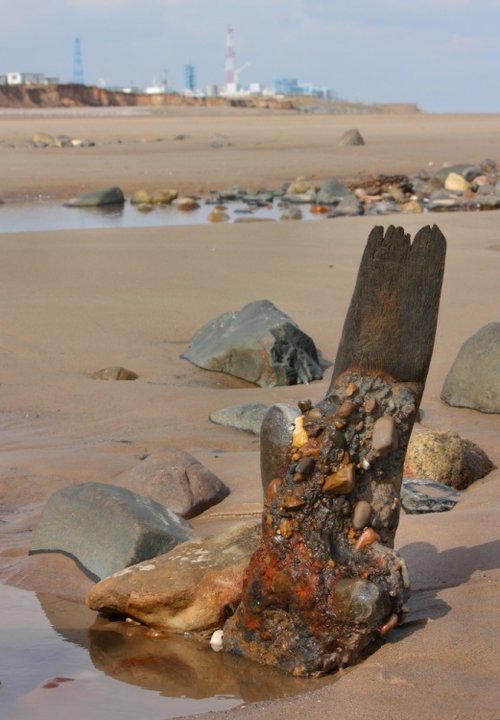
230	74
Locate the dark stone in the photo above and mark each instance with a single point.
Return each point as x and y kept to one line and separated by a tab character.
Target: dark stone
348	205
177	480
291	213
474	378
384	207
106	528
275	438
424	496
247	417
331	192
259	344
443	200
261	198
488	202
108	196
235	192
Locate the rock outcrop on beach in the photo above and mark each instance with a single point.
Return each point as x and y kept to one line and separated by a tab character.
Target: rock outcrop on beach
106	528
474	378
192	588
259	344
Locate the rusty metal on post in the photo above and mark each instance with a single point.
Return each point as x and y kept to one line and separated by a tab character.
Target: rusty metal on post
325	583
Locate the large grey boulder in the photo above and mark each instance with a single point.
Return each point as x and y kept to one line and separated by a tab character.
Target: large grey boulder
189	589
259	344
107	196
177	480
106	528
474	378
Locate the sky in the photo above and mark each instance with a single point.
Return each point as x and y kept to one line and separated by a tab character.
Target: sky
441	54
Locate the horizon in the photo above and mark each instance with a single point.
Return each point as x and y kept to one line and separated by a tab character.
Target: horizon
431	55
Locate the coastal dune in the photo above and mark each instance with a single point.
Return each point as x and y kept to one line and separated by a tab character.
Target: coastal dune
75	302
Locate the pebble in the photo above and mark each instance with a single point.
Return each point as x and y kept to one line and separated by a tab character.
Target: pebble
216	640
340	482
292	502
361	515
384	436
367	537
286	529
299	435
186	204
346	409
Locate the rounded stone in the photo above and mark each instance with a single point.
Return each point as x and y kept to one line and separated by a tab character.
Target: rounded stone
384	434
140	197
186	204
474	379
346	409
361	515
361	601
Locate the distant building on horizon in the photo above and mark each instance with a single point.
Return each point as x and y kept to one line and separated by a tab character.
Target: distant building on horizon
27	78
291	86
189	79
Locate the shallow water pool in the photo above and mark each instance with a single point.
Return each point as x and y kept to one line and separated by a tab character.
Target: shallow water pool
47	215
59	660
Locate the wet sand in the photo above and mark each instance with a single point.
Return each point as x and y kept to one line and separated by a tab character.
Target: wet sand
74	302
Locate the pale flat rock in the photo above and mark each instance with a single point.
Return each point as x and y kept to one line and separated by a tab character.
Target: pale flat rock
192	588
425	496
177	480
114	372
247	417
104	528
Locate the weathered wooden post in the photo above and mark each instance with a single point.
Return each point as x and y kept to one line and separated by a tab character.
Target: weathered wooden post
325	583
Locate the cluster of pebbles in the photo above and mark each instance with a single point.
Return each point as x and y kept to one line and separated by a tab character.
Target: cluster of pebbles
463	186
331	513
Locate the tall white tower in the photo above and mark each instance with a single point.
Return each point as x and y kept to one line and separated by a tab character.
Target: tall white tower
230	73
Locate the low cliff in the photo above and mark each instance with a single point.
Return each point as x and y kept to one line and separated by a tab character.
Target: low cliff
72	95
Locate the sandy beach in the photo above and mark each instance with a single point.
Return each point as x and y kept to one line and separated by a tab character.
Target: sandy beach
75	302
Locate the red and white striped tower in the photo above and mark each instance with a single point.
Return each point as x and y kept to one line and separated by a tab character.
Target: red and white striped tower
230	72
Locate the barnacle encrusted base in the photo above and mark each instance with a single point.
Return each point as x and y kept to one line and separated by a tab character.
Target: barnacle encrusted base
325	583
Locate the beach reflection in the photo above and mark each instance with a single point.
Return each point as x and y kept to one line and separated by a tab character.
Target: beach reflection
178	666
174	666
